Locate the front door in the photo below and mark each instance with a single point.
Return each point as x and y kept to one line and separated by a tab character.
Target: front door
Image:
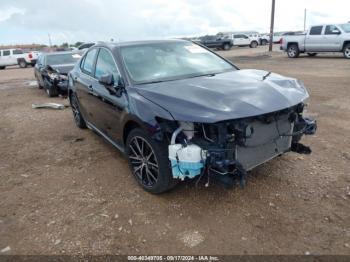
332	38
109	103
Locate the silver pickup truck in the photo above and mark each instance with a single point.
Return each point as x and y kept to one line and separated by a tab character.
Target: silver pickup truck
319	38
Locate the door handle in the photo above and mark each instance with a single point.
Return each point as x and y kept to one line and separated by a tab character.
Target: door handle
90	87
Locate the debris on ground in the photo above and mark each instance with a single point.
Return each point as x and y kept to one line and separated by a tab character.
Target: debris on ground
6	249
49	105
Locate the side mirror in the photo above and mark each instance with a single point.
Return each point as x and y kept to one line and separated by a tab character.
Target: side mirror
106	80
336	32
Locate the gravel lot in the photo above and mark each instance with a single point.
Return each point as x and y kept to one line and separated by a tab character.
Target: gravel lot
66	191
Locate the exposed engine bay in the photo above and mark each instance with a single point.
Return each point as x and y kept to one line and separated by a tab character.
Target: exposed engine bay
227	150
55	79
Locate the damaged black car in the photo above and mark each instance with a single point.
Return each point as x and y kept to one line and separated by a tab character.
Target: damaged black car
180	111
51	71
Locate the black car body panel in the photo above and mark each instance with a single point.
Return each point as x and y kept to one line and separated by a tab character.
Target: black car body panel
240	118
231	95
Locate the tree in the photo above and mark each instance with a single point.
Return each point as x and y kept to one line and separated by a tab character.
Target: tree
65	45
78	44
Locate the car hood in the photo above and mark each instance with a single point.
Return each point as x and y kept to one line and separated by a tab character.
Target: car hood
63	69
230	95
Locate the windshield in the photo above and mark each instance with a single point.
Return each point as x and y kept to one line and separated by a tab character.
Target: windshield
61	59
346	27
170	61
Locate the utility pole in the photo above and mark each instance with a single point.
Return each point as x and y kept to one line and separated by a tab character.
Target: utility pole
50	43
305	19
272	25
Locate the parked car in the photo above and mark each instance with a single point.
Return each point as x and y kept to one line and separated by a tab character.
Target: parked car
319	38
213	41
51	71
241	39
10	57
179	111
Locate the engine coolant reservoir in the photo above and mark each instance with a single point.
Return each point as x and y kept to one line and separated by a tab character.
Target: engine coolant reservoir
186	161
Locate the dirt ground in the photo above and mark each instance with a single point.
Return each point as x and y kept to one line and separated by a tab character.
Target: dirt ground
66	191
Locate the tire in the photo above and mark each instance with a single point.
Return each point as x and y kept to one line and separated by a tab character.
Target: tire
148	162
253	44
2	67
311	54
39	86
226	47
264	42
51	91
346	51
78	117
22	64
293	51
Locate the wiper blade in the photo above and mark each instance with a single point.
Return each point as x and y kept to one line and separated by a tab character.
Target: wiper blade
266	76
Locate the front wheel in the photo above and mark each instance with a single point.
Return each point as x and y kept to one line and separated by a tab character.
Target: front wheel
264	42
253	44
346	51
149	163
311	54
293	51
2	67
52	91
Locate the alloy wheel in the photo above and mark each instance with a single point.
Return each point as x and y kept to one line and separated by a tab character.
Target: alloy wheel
292	52
143	161
76	113
347	52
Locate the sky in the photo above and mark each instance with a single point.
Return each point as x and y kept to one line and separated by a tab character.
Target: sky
30	21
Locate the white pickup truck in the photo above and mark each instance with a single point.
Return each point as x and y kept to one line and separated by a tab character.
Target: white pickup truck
319	38
10	57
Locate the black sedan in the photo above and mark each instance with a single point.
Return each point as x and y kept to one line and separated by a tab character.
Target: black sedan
51	71
179	111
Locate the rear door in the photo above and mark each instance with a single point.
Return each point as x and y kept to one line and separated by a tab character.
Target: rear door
108	106
332	38
314	40
84	85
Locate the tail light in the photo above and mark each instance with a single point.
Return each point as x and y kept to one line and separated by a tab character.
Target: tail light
30	56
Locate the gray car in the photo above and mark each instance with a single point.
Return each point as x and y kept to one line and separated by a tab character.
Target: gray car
319	38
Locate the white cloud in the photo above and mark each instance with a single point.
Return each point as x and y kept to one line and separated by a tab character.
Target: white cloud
91	20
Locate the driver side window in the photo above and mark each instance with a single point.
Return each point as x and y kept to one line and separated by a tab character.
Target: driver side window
330	30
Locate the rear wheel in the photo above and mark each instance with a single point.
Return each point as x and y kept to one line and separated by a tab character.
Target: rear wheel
226	47
311	54
293	51
346	51
253	44
22	64
78	118
149	163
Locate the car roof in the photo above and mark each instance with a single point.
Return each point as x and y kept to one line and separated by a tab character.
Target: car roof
59	53
143	42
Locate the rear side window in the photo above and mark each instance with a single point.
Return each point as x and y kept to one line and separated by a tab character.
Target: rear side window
6	53
17	52
316	30
87	64
105	64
